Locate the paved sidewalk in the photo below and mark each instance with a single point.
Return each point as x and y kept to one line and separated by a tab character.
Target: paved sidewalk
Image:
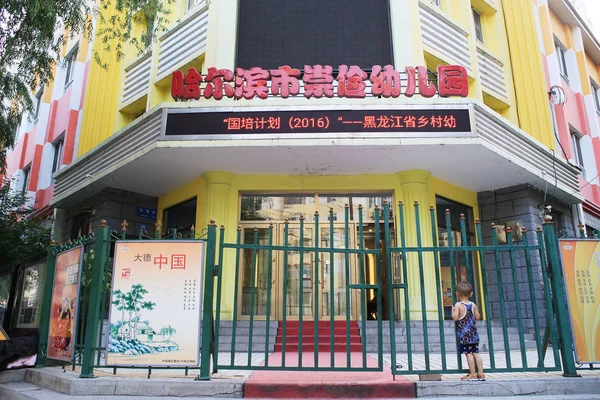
170	383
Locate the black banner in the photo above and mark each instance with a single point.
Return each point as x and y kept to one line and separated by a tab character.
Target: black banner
328	121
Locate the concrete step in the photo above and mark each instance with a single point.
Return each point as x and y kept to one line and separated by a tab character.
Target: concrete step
246	324
450	346
533	387
435	338
430	324
244	347
68	383
256	339
337	339
245	331
28	391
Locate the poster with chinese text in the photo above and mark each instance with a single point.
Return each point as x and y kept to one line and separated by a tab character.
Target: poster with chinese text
581	266
65	298
156	303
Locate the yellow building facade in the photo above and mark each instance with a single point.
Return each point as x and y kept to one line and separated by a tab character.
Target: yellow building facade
253	180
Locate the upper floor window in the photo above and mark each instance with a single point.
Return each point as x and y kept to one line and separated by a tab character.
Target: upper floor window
477	22
562	61
26	178
596	94
577	155
37	103
71	59
191	3
58	153
327	34
181	216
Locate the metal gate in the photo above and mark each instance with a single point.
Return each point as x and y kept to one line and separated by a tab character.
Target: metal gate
520	331
303	344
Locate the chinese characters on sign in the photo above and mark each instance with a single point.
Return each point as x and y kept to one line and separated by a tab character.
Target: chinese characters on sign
581	267
327	121
317	82
189	295
156	303
65	298
585	289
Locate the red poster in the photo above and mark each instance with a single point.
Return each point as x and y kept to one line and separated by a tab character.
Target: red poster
65	296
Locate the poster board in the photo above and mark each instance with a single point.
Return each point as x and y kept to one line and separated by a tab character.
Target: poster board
30	296
65	300
581	269
162	325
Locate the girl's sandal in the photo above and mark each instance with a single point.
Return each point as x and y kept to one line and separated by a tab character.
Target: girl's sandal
469	377
480	377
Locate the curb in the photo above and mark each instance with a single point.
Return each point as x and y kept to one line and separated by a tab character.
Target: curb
520	387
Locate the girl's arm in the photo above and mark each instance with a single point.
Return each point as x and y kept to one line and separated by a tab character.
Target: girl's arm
476	312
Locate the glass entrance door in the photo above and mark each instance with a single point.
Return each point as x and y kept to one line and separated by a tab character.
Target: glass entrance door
255	275
308	275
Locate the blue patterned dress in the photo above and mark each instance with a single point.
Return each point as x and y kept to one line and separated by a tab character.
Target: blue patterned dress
468	338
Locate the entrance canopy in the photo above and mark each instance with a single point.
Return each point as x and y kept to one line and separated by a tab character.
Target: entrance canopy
471	147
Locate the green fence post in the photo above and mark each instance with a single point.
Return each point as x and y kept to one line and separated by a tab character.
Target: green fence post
207	302
562	312
102	238
46	306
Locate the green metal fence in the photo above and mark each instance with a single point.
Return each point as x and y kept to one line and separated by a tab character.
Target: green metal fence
517	347
399	320
445	361
93	326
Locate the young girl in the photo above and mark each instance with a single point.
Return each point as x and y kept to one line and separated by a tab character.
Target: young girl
465	312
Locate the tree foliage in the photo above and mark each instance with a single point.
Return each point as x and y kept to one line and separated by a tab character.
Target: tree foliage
33	33
23	236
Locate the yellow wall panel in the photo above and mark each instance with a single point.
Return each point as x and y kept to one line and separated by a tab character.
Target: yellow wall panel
592	69
560	30
546	25
528	72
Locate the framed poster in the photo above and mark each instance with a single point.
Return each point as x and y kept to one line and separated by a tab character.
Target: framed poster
30	296
581	268
156	303
65	298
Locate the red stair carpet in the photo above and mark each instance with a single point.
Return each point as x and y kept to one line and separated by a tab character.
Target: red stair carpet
325	385
292	339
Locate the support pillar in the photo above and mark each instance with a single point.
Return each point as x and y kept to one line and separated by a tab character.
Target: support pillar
218	193
415	187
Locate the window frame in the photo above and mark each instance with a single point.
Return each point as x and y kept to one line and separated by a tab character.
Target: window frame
577	153
26	179
596	94
59	147
562	59
437	3
478	25
165	215
189	4
71	60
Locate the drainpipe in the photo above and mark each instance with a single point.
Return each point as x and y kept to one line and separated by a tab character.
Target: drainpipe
578	211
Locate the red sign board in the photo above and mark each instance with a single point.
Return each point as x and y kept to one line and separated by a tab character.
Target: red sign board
318	81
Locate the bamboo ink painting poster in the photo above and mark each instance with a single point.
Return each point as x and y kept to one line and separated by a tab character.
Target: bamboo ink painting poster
65	297
156	303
